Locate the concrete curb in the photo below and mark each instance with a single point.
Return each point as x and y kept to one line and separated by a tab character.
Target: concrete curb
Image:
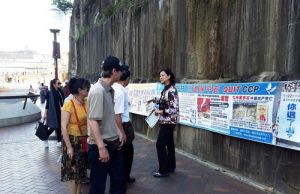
12	113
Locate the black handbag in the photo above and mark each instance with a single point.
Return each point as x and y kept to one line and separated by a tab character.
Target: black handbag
42	131
129	132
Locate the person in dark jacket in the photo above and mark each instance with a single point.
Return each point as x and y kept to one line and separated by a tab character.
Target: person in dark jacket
168	112
43	93
66	89
54	102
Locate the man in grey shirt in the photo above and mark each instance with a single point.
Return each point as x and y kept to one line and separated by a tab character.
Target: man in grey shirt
105	140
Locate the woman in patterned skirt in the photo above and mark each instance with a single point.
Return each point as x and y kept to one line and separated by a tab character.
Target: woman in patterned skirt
74	131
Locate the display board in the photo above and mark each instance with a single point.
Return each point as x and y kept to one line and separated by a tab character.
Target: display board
139	95
266	112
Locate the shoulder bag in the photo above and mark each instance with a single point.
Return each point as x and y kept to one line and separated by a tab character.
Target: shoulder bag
84	139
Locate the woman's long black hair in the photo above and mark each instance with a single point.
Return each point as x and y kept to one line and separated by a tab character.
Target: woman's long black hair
169	73
52	82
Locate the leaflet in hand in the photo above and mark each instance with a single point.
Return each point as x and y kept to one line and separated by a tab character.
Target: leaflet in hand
152	119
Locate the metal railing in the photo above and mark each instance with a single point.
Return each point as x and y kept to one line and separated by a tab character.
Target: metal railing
33	97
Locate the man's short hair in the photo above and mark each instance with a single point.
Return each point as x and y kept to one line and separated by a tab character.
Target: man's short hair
125	72
111	63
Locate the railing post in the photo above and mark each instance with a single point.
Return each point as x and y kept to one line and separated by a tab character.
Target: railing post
34	96
35	99
25	103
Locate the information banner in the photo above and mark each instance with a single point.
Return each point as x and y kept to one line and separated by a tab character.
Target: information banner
240	110
266	112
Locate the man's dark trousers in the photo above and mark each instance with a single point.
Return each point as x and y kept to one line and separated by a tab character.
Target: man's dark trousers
127	150
100	170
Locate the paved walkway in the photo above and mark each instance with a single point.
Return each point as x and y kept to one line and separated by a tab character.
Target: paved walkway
26	167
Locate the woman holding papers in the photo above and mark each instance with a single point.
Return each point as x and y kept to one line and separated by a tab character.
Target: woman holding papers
168	111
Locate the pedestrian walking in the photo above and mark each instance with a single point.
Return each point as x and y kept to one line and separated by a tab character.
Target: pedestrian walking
74	132
122	120
66	89
31	92
168	109
54	102
43	93
104	140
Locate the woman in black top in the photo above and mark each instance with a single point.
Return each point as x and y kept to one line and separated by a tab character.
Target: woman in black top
55	100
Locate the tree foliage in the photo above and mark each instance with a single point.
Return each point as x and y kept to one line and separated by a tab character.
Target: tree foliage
64	5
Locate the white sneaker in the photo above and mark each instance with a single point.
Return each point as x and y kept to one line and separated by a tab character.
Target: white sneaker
46	145
58	144
59	159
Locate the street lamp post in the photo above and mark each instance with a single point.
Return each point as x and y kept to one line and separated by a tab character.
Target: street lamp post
56	51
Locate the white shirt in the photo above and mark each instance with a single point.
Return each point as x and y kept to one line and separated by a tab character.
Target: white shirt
121	101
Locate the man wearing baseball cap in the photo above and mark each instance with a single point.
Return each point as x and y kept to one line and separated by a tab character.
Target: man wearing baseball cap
105	140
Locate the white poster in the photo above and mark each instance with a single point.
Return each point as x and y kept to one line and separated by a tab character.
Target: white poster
220	111
139	94
188	108
288	119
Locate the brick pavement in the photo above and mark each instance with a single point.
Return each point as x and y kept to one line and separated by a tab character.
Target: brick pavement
26	167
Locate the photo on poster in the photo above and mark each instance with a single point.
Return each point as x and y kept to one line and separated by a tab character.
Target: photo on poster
262	113
203	107
245	111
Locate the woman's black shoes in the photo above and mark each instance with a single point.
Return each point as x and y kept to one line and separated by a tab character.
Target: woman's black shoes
160	175
171	170
130	180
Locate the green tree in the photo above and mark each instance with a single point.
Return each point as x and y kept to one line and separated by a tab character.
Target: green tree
64	5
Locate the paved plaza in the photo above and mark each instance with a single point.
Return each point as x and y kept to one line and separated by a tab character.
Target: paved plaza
26	167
